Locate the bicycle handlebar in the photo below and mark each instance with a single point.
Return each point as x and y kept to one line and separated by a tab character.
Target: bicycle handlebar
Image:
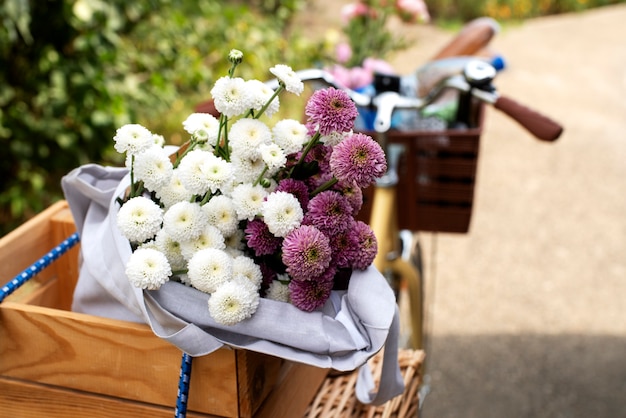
541	126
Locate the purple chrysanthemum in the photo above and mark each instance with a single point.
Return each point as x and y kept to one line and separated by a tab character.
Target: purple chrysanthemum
330	212
327	275
331	110
306	252
309	295
345	247
353	194
260	239
297	188
358	158
368	245
320	154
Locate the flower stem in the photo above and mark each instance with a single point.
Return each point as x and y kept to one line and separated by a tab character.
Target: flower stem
314	141
186	147
221	146
206	198
280	88
330	183
132	177
258	180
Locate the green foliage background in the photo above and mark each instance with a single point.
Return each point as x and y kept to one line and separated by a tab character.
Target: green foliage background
73	71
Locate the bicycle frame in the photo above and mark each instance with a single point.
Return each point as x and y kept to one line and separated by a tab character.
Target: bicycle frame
385	226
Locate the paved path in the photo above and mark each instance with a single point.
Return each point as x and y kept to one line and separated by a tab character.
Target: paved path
529	308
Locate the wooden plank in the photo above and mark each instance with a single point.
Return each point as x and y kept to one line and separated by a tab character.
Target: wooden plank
257	374
293	394
26	244
43	294
62	226
109	357
20	399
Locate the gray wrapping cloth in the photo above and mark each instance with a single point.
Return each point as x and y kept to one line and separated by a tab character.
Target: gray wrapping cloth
351	327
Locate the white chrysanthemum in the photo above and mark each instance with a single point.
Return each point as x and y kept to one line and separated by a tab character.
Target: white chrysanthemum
289	78
261	94
171	249
246	267
184	221
132	139
273	156
334	138
139	219
209	269
206	122
248	200
148	268
282	213
233	302
221	213
278	291
247	169
210	237
247	135
150	244
231	98
153	167
159	140
173	192
290	135
217	172
205	146
191	171
201	171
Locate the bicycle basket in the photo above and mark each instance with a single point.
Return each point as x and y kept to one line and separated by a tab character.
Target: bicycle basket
437	174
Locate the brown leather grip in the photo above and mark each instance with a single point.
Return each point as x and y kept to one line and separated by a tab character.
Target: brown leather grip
537	124
473	37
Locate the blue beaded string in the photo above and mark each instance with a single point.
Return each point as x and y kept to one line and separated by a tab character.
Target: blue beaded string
38	266
183	386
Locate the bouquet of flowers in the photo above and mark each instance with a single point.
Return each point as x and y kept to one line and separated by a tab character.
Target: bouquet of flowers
243	210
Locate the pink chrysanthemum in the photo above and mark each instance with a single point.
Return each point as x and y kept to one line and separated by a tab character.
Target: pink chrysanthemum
331	110
306	252
330	212
309	295
358	159
260	239
345	246
353	194
297	188
368	245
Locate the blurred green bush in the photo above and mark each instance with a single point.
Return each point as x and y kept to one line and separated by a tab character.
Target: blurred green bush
73	71
465	10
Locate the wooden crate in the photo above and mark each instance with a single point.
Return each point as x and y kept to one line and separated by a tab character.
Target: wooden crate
58	363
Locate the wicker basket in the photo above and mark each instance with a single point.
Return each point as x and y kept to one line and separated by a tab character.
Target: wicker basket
437	173
336	397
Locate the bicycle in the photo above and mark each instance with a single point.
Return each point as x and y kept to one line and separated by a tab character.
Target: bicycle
475	86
